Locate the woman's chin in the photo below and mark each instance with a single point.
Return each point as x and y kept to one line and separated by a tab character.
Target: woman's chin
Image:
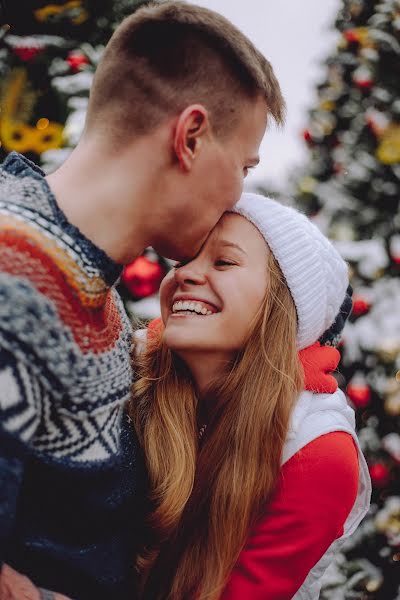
179	342
181	338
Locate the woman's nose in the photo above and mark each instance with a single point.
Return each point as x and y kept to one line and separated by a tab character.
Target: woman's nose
194	273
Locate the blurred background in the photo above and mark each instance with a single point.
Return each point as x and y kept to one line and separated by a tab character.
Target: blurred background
338	160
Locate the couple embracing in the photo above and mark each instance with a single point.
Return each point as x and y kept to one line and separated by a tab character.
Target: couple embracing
213	457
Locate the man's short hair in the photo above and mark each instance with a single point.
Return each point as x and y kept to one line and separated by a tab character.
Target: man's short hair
169	55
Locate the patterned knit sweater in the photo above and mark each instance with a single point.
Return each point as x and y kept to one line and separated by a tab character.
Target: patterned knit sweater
71	477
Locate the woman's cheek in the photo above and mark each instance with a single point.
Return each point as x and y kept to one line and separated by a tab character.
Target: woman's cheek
167	288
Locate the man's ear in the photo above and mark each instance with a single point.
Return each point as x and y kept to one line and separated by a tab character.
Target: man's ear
193	123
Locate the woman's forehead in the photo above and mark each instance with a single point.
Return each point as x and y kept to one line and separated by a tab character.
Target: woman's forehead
237	229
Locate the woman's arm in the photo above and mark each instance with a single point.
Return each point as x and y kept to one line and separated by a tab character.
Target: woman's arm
315	494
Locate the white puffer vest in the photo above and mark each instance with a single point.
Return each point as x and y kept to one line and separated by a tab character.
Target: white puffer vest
315	415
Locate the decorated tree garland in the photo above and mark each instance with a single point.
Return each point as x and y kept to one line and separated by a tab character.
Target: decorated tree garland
352	189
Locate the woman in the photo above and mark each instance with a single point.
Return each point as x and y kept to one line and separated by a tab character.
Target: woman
254	482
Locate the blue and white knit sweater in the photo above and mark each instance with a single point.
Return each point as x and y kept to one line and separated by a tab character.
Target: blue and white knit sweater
71	480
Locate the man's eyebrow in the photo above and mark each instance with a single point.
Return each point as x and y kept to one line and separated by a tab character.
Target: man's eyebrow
231	245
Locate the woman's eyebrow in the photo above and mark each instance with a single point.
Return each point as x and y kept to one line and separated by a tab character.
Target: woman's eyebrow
231	245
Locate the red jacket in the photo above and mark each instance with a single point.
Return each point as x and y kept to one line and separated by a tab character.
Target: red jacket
316	491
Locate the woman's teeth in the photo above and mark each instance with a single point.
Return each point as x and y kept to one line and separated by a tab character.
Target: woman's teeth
185	306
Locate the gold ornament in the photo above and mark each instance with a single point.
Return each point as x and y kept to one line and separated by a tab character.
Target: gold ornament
389	349
390	523
15	136
307	185
392	404
49	138
17	98
392	384
373	585
388	151
387	520
342	231
18	101
42	123
364	37
327	105
360	35
78	13
24	138
341	44
355	9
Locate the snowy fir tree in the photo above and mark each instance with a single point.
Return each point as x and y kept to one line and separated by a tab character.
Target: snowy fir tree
351	189
48	55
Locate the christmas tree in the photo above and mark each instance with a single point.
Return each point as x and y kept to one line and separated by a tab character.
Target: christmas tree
48	55
352	189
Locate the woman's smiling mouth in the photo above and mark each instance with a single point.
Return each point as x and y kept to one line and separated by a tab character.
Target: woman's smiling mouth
193	307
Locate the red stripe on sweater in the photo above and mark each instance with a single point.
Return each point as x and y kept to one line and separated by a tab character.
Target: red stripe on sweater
94	329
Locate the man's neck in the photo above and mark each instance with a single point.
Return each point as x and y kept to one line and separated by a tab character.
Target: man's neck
106	199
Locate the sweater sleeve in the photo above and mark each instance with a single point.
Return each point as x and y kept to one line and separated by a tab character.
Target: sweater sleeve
19	417
316	492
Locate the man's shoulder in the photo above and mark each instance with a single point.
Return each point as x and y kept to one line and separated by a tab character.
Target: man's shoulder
18	166
22	187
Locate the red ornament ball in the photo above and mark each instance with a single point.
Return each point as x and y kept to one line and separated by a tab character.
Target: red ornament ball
364	84
351	35
360	306
395	249
308	137
359	394
363	78
27	53
76	61
143	277
380	474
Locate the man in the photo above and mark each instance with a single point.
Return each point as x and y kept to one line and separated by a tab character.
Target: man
177	111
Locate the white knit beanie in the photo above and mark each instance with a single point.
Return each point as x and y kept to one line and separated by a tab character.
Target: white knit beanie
315	273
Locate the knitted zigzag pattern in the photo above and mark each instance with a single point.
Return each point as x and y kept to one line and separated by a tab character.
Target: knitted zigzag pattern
63	329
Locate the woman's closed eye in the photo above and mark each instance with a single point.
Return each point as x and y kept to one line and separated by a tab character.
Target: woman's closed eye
221	262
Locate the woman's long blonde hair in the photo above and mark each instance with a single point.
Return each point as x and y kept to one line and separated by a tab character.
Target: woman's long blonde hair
206	497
